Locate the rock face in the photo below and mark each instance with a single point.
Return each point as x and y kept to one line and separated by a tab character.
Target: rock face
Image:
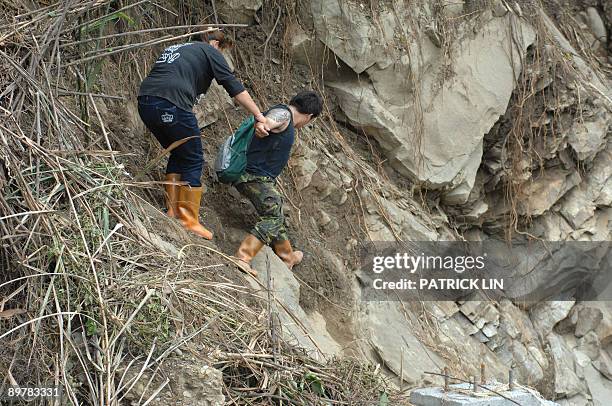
440	112
386	326
306	330
429	122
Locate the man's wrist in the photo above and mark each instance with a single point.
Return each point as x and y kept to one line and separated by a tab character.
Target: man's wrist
260	117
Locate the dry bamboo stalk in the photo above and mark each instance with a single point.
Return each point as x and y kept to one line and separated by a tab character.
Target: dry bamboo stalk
150	30
135	46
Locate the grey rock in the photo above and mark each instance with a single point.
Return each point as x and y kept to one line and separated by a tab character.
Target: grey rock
466	107
596	24
397	221
238	11
589	345
604	364
528	367
452	8
566	382
481	314
499	8
543	276
303	169
551	227
576	207
311	332
546	190
546	315
587	319
578	400
390	333
324	218
345	29
599	387
588	137
599	181
459	395
304	48
331	227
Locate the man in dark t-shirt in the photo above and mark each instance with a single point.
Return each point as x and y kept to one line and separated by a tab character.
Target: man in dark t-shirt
165	102
267	156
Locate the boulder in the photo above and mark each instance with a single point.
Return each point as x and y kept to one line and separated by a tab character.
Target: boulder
604	364
546	315
307	330
599	387
576	208
589	345
529	369
305	48
455	115
588	137
566	382
588	318
596	24
390	334
238	11
303	164
344	27
546	190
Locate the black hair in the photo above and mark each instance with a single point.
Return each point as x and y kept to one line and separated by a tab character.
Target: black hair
308	102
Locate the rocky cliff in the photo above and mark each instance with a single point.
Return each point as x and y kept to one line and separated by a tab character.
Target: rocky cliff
482	119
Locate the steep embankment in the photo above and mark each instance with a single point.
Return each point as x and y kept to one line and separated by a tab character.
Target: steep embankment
444	121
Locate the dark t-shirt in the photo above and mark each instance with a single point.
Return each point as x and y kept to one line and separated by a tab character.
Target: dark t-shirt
185	71
268	156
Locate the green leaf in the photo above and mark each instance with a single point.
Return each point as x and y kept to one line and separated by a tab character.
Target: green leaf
315	383
384	399
90	327
317	387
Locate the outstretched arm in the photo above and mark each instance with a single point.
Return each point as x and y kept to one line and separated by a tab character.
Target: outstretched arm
225	77
245	100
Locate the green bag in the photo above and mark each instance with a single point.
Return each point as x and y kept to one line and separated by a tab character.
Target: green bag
231	160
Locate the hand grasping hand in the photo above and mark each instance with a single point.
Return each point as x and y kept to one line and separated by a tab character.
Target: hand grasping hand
261	129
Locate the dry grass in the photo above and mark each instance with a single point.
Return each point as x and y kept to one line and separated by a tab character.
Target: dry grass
84	294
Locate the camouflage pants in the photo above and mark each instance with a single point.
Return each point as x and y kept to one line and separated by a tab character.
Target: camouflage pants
261	191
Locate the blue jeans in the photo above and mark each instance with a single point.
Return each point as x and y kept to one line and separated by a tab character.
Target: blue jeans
168	123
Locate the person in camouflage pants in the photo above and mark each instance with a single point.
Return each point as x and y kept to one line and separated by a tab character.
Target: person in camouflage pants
268	202
267	156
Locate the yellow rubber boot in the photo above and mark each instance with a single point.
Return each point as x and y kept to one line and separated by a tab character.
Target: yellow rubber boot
188	206
172	191
284	251
249	247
